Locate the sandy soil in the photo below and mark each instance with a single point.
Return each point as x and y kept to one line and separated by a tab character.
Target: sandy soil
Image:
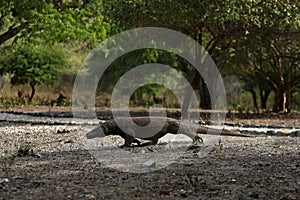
54	164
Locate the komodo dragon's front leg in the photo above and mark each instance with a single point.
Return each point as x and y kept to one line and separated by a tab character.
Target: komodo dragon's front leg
128	136
108	128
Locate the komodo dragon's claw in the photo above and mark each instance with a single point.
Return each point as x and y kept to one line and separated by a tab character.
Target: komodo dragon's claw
197	140
129	144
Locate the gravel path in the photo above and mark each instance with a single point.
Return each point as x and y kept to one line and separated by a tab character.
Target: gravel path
57	167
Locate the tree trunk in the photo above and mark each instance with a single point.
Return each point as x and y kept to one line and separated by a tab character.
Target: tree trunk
288	104
264	94
205	102
253	94
279	101
32	92
197	83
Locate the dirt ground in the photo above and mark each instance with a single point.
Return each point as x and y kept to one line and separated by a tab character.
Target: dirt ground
53	164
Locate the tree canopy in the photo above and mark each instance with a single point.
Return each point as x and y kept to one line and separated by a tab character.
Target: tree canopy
36	24
244	34
33	65
52	20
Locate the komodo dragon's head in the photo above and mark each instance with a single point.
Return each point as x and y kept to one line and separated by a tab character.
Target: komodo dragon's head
99	131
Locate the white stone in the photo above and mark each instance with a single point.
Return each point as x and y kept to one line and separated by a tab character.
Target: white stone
150	163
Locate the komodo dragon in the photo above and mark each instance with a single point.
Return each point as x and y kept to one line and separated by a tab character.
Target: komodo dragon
172	126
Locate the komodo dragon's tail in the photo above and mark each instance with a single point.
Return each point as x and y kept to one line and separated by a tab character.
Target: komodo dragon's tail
206	130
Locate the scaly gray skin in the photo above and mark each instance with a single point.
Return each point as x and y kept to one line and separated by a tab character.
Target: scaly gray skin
172	126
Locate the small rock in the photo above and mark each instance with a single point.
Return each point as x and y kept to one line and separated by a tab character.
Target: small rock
260	164
4	180
185	193
91	197
253	195
143	151
37	155
280	133
69	141
39	183
59	131
24	152
235	129
150	163
188	164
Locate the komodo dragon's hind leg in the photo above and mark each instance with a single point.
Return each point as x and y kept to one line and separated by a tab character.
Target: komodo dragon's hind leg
197	140
129	139
188	131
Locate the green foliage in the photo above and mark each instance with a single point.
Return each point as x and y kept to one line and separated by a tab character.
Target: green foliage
52	21
214	25
33	65
272	48
243	37
135	58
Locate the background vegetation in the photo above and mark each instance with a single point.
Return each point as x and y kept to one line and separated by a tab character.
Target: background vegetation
255	44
